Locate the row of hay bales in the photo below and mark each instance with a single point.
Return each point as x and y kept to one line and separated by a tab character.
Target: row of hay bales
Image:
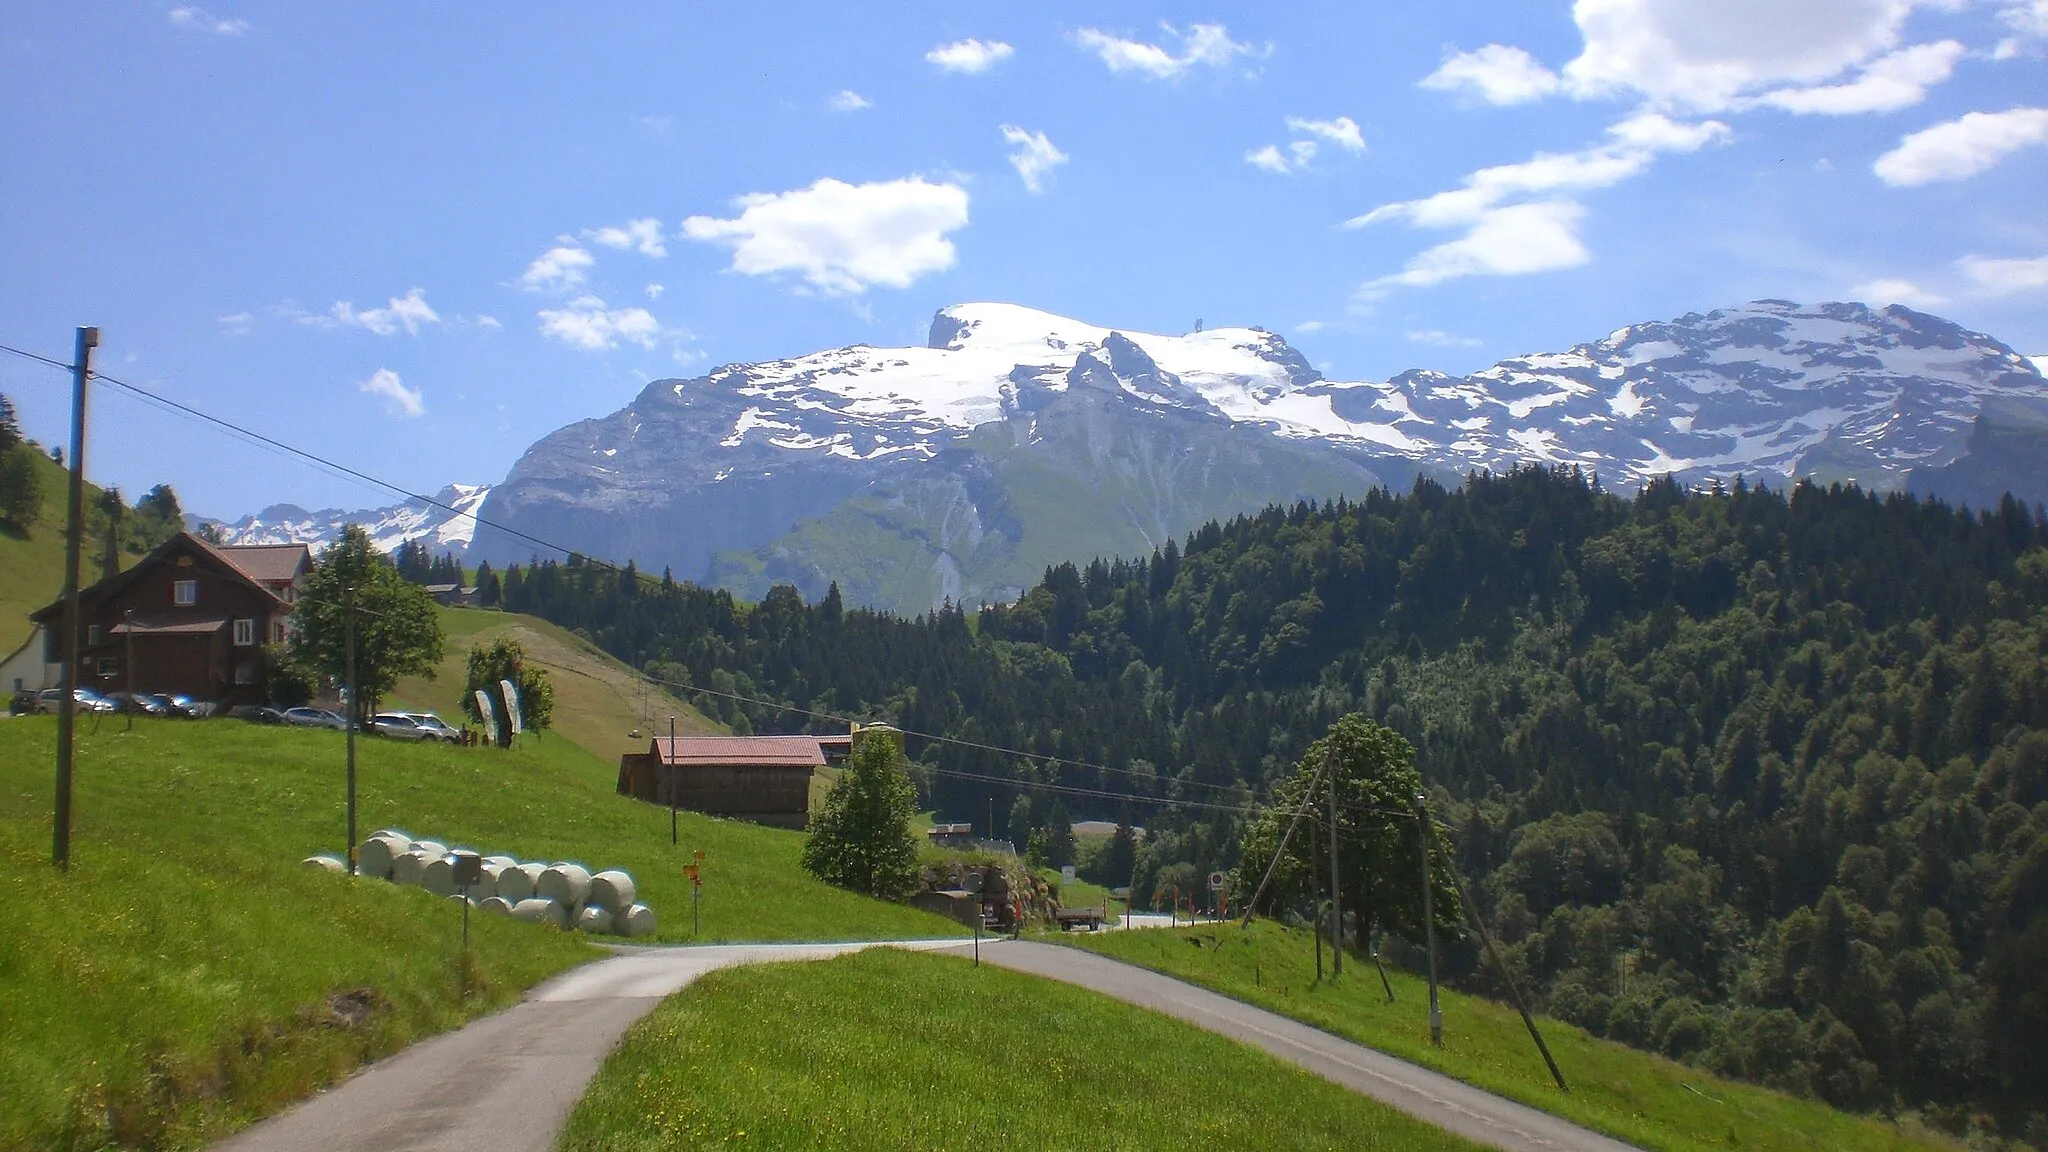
565	895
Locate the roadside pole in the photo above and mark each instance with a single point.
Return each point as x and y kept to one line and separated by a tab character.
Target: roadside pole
1336	901
668	764
1436	1016
74	511
349	723
128	662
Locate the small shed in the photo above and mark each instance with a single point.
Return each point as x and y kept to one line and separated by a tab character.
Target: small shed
765	779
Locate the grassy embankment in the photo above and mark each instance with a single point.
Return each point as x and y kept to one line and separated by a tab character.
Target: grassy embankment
32	562
887	1049
1652	1102
188	974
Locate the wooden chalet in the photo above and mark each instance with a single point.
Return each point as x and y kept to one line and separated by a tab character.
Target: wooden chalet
190	617
764	779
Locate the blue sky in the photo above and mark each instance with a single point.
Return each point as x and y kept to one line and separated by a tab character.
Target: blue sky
416	239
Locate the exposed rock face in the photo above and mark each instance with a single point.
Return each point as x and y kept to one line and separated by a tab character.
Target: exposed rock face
1015	439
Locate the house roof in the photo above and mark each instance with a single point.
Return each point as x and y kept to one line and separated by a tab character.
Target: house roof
727	751
183	543
168	624
268	563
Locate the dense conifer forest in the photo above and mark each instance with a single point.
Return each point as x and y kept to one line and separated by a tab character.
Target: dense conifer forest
1753	778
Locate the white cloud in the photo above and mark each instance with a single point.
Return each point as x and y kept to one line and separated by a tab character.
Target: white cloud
200	20
2040	364
842	237
1201	44
1310	327
1887	84
1894	291
486	320
1685	54
398	399
1497	74
1035	156
408	312
559	268
654	291
1961	147
1519	217
847	100
1268	158
643	236
237	324
969	56
1342	131
1440	338
587	324
2027	17
2002	275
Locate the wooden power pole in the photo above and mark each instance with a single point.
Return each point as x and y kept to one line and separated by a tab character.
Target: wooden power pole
74	522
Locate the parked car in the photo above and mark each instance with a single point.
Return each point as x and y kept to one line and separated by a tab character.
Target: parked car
314	718
87	699
140	703
256	714
435	727
398	726
185	706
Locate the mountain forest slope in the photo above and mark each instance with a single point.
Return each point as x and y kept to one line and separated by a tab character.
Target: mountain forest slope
1757	779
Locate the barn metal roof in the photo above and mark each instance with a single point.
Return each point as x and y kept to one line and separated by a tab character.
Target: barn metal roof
728	751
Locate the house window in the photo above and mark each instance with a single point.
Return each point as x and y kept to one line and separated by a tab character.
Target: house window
92	635
109	667
245	633
277	632
185	593
291	594
245	672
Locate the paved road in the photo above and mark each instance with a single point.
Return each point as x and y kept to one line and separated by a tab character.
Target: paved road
1430	1096
505	1083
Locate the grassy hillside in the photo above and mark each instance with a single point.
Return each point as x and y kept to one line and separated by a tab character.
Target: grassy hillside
889	1049
598	700
32	563
1649	1101
188	973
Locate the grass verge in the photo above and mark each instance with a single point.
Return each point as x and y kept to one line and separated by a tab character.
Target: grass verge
188	974
1652	1102
890	1049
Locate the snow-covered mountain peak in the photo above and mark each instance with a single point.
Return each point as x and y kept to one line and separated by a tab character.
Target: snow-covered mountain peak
440	529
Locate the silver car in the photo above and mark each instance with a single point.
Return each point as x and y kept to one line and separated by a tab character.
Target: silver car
434	727
314	718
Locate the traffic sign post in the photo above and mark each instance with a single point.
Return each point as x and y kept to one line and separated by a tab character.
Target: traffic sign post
469	870
695	872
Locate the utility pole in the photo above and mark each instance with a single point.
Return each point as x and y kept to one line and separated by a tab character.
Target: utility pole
1436	1016
669	767
349	721
74	512
1336	900
128	660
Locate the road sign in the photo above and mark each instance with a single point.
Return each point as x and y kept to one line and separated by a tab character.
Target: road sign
1216	881
691	871
1067	874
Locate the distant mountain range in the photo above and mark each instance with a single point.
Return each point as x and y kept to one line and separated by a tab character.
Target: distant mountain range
1016	438
442	530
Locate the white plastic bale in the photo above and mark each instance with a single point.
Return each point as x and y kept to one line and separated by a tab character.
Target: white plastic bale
637	920
374	856
325	863
565	884
541	912
431	849
516	883
499	862
409	868
394	834
612	890
495	904
438	876
486	885
594	920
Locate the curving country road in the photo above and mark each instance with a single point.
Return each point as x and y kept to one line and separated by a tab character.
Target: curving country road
506	1083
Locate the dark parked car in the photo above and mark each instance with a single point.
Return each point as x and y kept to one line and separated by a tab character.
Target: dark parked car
185	706
140	703
256	714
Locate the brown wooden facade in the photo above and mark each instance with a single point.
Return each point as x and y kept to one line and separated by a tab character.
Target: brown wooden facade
188	618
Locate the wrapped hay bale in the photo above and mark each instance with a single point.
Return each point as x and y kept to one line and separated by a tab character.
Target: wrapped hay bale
485	887
393	834
325	863
499	862
375	855
565	884
438	876
517	882
611	890
594	920
541	912
407	869
431	849
636	920
495	904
